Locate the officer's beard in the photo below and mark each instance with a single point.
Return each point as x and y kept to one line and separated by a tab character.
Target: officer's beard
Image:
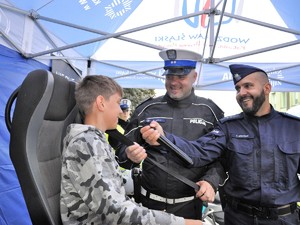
256	105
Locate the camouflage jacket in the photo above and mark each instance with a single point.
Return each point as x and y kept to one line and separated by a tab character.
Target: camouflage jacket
92	188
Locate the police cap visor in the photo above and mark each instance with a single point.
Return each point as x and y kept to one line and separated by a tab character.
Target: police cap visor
177	71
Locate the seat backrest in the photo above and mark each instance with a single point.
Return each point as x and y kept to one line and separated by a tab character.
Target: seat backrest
45	106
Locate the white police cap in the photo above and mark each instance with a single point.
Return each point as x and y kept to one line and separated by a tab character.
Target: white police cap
179	61
125	103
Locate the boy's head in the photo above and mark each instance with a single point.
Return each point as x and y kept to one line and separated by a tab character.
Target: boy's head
90	87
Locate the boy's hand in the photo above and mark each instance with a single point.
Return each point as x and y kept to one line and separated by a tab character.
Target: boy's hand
136	153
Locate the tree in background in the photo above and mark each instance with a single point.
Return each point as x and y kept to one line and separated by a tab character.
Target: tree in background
137	95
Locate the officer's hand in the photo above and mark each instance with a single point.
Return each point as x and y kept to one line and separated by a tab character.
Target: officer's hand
152	132
206	192
136	153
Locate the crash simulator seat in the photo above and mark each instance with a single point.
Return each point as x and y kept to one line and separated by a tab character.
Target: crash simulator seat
45	106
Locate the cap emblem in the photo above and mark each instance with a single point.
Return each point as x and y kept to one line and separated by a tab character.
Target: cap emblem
237	77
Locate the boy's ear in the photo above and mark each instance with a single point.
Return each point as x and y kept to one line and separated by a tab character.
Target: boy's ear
100	102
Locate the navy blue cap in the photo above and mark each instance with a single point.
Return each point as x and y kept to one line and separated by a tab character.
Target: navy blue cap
179	61
239	71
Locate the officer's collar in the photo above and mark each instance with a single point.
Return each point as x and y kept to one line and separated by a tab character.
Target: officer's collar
264	117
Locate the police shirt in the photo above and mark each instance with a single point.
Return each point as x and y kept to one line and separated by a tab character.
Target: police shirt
261	155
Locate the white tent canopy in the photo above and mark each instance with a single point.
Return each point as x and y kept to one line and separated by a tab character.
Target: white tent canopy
122	38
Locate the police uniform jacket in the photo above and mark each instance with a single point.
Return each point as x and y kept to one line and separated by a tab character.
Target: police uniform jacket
189	118
261	155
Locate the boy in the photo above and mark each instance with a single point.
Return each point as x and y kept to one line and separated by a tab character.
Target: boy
92	189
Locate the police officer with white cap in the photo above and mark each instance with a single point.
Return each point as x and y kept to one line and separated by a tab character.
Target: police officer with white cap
183	113
125	105
261	152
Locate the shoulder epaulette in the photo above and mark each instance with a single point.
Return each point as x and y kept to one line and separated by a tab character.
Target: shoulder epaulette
233	117
289	115
142	102
215	105
211	103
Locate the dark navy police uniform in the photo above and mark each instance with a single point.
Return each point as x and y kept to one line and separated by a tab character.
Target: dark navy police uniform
262	158
190	118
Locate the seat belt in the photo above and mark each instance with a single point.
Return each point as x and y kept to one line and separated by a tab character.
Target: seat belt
126	141
176	175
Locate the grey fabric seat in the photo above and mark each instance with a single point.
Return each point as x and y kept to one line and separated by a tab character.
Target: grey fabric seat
45	106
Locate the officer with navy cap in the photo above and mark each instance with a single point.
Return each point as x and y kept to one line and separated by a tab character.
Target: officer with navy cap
183	113
261	152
